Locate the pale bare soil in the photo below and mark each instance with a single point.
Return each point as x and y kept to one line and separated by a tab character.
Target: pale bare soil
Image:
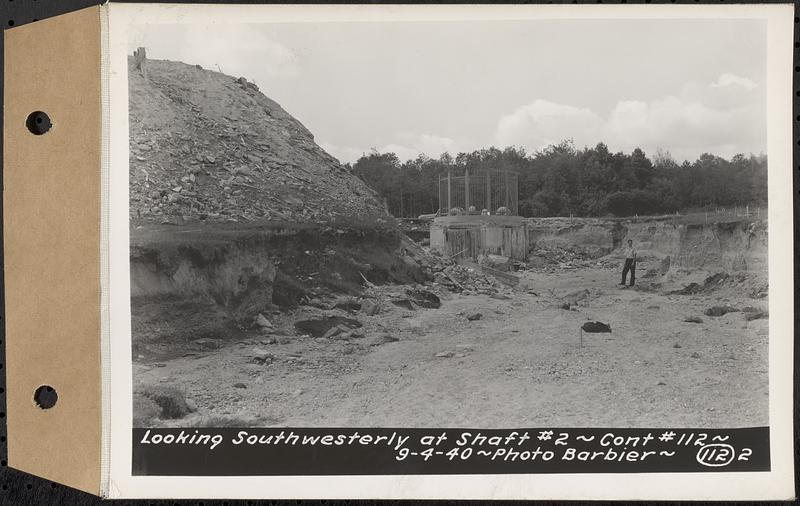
520	365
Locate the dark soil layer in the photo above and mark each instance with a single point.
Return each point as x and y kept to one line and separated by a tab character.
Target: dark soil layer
210	282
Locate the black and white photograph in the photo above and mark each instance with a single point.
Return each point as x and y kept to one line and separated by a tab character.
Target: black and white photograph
480	223
463	233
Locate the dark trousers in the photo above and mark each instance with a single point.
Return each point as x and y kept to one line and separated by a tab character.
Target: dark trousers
630	265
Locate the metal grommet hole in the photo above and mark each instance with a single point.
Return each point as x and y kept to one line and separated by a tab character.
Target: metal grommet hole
45	397
38	123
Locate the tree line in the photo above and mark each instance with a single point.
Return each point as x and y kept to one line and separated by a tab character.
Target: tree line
561	180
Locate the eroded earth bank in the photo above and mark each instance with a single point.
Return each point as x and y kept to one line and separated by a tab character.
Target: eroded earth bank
341	328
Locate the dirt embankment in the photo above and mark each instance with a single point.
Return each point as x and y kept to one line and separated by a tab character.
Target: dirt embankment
401	347
212	282
670	250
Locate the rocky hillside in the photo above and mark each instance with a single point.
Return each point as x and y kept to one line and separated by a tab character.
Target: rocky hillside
207	147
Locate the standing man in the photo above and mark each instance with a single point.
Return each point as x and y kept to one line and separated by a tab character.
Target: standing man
630	263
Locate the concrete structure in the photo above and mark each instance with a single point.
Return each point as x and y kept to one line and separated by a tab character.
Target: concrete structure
478	216
493	191
468	236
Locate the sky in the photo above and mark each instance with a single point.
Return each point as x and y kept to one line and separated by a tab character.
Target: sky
683	86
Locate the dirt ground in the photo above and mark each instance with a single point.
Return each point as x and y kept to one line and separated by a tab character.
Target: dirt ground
520	365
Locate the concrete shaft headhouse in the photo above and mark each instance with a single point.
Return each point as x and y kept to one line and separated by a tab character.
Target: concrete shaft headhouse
478	214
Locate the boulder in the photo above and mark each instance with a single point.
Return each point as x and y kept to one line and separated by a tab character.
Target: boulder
755	315
596	327
716	311
424	298
382	339
262	356
349	305
317	327
403	303
262	321
370	307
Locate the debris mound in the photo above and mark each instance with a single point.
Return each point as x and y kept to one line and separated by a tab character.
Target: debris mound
207	147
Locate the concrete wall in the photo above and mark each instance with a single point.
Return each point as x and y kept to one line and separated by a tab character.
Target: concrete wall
469	236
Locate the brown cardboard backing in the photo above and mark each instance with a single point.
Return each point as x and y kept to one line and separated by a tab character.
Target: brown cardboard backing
51	218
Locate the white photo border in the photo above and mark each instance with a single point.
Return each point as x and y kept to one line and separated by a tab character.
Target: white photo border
776	485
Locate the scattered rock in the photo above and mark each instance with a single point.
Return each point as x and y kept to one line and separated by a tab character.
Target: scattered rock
348	305
499	296
695	355
719	310
239	385
334	331
445	354
263	357
169	399
709	284
370	308
382	339
424	298
574	297
318	327
262	321
677	345
206	343
693	319
596	327
317	303
757	315
474	317
403	303
564	306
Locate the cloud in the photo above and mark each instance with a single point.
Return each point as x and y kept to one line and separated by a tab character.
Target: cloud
542	122
344	154
406	145
702	118
728	79
239	50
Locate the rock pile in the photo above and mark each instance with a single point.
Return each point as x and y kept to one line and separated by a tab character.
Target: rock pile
556	259
206	147
466	280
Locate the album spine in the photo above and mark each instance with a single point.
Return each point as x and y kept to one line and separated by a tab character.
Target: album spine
52	187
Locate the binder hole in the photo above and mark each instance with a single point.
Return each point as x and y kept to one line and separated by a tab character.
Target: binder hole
38	123
10	22
45	397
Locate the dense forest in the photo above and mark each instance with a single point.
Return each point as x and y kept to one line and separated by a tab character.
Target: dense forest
561	180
